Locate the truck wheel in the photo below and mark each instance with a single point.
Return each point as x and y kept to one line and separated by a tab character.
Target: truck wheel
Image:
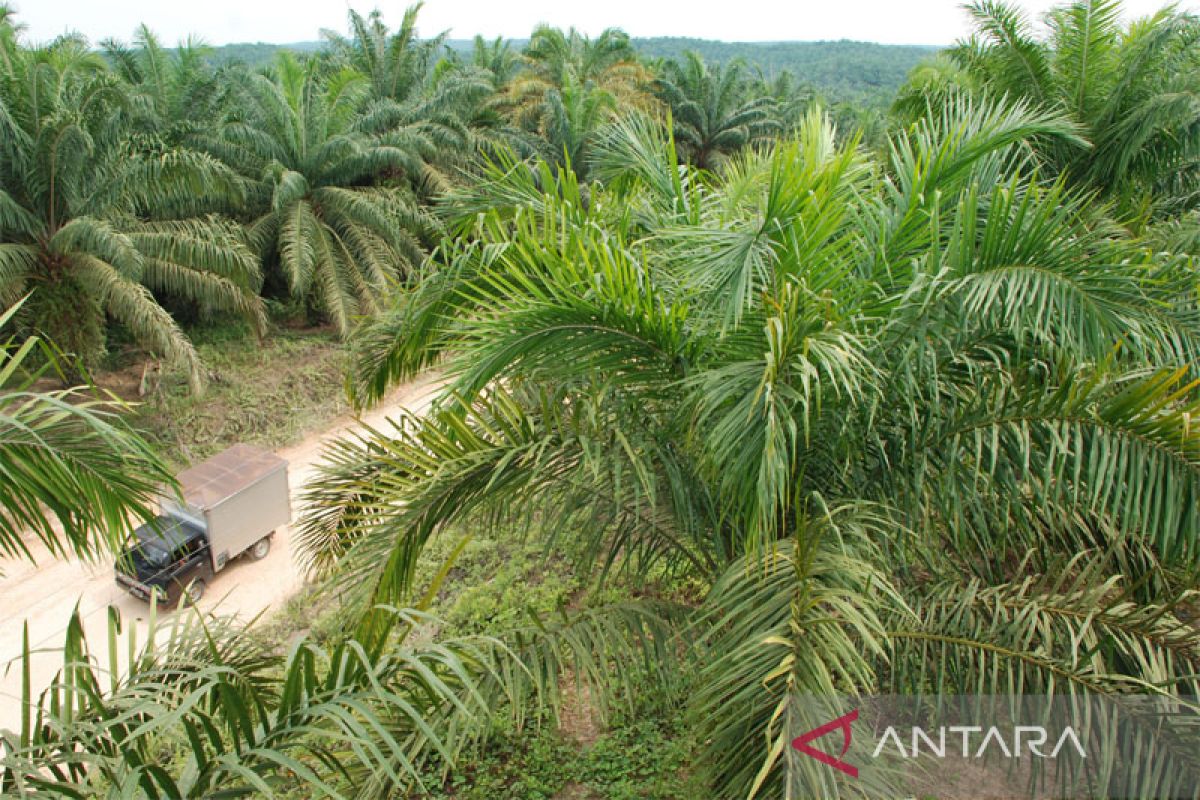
259	550
192	593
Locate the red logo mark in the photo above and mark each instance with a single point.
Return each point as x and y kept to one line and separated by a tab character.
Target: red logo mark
843	722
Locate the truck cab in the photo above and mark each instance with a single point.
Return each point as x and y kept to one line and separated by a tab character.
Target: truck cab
168	559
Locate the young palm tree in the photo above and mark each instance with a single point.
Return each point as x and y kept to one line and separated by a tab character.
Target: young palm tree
497	57
493	65
930	85
713	108
94	217
573	115
1132	89
337	238
10	32
411	91
928	412
791	96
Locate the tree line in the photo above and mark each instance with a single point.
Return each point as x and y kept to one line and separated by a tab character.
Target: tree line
141	180
860	73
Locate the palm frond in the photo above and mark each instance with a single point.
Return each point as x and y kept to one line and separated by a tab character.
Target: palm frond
134	306
76	478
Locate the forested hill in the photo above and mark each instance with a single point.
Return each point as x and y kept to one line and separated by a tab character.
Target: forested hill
257	54
843	70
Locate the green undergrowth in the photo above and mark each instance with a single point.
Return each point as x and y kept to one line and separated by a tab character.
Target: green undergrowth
496	582
642	751
633	759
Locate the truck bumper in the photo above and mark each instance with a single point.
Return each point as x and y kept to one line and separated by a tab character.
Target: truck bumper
135	588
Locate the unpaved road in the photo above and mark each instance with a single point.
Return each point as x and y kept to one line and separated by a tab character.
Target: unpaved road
46	593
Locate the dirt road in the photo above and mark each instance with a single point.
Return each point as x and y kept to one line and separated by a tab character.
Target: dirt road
45	594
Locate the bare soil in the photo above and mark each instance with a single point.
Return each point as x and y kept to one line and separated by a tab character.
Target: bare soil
579	719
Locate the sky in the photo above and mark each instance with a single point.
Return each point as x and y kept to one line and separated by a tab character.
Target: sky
281	21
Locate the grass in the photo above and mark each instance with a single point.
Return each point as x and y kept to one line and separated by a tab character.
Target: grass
270	393
643	759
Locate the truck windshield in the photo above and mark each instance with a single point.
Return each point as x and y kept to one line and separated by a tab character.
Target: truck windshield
156	547
155	554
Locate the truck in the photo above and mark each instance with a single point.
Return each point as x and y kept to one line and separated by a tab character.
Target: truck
227	506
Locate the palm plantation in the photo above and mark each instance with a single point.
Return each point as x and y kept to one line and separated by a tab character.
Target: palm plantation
806	411
95	217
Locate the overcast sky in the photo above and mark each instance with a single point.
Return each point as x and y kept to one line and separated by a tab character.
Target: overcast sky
281	21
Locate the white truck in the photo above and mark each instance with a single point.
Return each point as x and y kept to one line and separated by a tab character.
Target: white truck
232	504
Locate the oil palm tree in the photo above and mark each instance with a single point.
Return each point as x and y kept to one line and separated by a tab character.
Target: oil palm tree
10	32
571	84
409	91
498	57
338	239
609	61
1131	89
930	85
396	64
175	91
94	217
492	67
933	411
713	109
573	115
792	97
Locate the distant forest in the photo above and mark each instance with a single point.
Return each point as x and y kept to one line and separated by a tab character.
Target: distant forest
854	72
857	72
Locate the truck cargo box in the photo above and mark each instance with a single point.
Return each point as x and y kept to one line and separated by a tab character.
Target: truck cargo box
239	496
